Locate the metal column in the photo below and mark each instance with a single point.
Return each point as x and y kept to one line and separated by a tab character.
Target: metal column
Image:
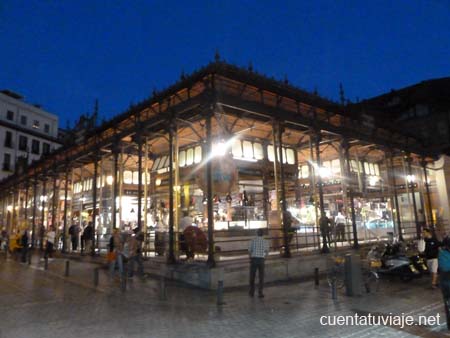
171	258
209	193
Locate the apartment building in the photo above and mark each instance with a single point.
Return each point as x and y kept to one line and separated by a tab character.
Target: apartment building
27	132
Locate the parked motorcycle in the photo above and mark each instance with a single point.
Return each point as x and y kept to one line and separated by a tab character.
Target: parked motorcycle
395	263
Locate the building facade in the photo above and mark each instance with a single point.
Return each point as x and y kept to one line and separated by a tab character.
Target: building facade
26	133
238	152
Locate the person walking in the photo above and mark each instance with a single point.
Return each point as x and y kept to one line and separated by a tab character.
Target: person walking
444	269
258	249
340	227
325	229
51	235
24	243
87	237
74	231
431	254
135	242
116	244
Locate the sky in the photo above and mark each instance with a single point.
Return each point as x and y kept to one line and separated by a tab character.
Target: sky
66	54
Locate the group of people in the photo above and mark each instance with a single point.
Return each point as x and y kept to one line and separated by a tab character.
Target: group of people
125	250
86	236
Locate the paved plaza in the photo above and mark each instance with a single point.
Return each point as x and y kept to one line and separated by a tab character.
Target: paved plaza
40	304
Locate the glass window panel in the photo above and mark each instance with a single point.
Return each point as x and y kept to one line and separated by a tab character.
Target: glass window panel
290	156
198	154
305	171
372	169
336	166
360	166
377	169
258	151
190	156
136	177
162	163
182	158
270	153
353	166
248	149
236	148
156	163
127	177
366	168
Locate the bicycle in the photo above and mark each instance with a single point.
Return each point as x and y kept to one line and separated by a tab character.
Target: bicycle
336	272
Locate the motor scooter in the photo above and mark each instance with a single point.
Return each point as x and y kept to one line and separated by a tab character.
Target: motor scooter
395	263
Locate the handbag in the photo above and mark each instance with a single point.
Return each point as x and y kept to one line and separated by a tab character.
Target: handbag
111	256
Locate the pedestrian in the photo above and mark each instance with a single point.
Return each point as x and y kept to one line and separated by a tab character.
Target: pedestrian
431	255
135	248
325	228
51	236
340	227
24	244
444	270
258	249
74	232
87	236
116	244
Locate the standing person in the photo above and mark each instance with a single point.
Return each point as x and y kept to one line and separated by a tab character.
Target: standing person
444	268
51	235
87	236
117	245
325	228
258	249
74	231
135	242
431	255
340	227
24	243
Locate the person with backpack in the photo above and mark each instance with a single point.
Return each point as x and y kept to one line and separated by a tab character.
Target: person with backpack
444	270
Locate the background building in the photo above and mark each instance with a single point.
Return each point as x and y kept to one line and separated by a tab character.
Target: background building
26	133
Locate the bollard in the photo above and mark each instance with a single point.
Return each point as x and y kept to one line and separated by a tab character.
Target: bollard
162	288
333	289
66	272
220	293
45	263
316	277
96	277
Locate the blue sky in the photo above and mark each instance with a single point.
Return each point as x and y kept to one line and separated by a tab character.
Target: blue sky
65	54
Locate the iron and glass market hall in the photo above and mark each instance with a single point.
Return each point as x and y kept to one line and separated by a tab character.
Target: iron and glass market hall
232	151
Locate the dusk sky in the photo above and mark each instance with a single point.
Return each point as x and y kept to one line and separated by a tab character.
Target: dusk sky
65	54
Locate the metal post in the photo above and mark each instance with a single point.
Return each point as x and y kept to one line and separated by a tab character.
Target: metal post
209	193
33	233
220	293
139	211
96	279
350	196
399	224
115	187
27	188
66	187
171	258
66	272
41	228
54	203
427	187
319	182
408	159
287	251
316	277
94	204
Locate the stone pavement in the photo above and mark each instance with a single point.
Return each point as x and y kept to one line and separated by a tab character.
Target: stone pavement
38	304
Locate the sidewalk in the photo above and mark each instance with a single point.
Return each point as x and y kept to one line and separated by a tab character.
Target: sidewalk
38	303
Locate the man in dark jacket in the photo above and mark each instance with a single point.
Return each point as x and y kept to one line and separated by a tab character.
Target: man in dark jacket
431	254
24	244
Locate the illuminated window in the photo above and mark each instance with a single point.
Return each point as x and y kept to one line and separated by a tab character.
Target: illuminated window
190	156
236	148
135	177
377	169
353	166
290	157
366	168
258	151
182	158
127	177
372	169
303	171
164	162
248	149
270	153
336	167
197	154
156	163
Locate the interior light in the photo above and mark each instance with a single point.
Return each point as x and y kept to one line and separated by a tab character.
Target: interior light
109	180
158	181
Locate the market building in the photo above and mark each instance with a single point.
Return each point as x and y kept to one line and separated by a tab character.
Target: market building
234	151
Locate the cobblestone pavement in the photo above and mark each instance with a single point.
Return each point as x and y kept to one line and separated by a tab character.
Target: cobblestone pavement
38	304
